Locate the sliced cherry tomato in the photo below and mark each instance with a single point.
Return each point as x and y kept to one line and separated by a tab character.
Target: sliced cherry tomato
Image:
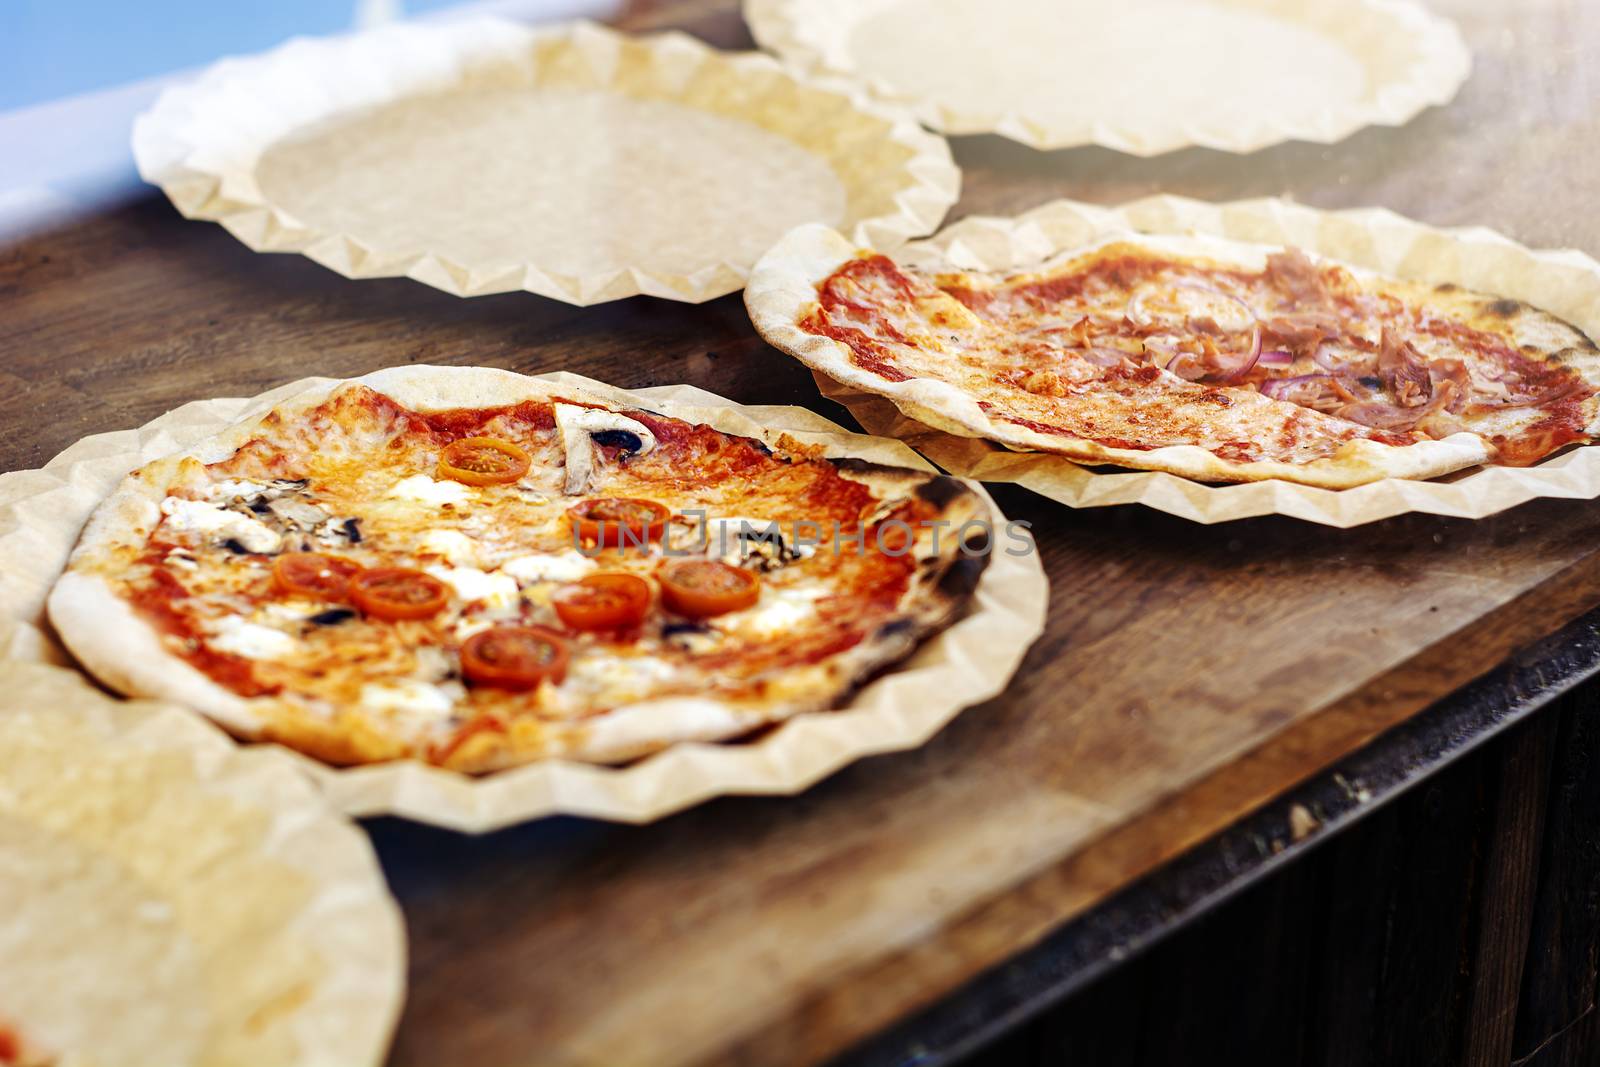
314	575
515	657
398	593
609	601
700	588
483	461
613	521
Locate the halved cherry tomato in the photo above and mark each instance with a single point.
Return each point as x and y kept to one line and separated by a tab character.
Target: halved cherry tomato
700	588
483	461
515	657
608	601
613	521
398	593
314	575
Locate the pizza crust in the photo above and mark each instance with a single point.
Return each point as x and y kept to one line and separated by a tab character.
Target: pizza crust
126	653
783	288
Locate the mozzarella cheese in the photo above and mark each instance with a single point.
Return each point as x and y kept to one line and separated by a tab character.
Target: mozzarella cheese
234	489
451	545
425	490
778	610
497	592
251	640
619	679
568	566
420	702
290	611
212	520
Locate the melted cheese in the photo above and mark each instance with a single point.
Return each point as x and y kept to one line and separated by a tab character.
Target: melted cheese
251	640
568	566
451	545
425	490
497	592
235	489
614	680
420	703
779	610
216	522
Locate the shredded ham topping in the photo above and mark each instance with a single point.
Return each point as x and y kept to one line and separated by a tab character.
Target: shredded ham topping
1295	332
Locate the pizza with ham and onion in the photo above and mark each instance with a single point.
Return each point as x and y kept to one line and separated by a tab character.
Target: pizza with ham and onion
479	569
1207	358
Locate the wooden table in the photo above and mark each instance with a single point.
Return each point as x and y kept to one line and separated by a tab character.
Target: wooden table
1188	676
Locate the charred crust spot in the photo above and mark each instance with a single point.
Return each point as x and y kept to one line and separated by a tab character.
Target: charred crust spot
977	542
895	628
961	579
1447	287
233	545
1503	308
941	491
855	466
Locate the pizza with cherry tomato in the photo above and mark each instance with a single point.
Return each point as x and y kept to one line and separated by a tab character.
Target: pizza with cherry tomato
1212	359
479	569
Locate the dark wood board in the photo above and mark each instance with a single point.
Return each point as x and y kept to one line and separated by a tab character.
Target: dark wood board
1188	675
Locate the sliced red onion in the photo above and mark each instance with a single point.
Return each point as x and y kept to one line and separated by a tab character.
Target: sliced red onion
1276	358
1160	352
1251	360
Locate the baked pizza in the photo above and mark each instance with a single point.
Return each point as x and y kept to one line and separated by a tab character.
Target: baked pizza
1207	358
479	569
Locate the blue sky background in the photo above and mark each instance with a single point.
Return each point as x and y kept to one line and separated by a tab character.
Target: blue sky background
55	48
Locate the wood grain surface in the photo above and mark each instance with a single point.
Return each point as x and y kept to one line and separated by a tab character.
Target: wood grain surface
1453	927
1188	674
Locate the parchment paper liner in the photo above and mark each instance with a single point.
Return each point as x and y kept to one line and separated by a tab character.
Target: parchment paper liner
150	857
1565	283
42	511
1415	59
202	142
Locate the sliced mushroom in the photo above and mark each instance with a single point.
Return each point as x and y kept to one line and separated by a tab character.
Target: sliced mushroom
757	543
297	511
336	531
584	428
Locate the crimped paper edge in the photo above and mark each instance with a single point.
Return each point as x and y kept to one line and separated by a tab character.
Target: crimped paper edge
963	665
354	925
981	243
204	184
1444	66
